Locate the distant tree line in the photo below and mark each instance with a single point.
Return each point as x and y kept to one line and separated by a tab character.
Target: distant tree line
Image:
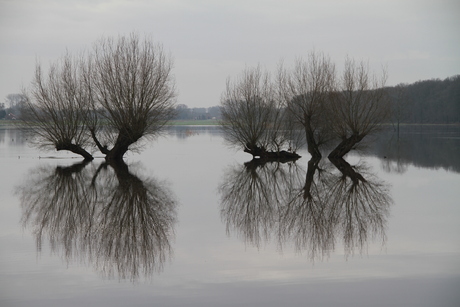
418	145
426	102
183	112
13	106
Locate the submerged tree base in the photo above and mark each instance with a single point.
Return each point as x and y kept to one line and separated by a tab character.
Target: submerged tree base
280	156
262	154
76	149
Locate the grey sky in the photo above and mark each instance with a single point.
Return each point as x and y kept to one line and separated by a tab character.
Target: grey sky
212	40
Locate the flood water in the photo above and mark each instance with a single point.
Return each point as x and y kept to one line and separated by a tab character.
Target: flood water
187	222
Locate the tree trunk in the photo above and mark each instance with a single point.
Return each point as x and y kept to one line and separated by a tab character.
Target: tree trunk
263	154
345	168
120	148
102	149
309	179
76	149
312	145
116	153
346	145
281	156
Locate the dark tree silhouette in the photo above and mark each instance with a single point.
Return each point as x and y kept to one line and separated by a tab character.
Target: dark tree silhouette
358	107
134	89
58	107
119	94
253	118
305	91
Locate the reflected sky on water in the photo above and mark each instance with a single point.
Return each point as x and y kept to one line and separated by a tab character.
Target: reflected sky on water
189	222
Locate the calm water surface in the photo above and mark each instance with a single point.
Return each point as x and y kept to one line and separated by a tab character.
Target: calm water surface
187	222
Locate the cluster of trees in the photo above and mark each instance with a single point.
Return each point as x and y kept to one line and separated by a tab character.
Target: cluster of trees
429	101
13	106
263	114
123	91
107	99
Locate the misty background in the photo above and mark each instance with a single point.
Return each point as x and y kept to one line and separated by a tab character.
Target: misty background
213	40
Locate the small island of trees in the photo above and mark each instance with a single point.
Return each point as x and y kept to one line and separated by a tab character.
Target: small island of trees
263	114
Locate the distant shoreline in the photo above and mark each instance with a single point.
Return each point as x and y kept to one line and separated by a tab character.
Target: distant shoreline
191	122
5	123
205	122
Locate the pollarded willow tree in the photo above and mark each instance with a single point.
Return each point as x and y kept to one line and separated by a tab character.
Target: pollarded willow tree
358	106
134	88
111	98
305	90
262	115
57	106
253	118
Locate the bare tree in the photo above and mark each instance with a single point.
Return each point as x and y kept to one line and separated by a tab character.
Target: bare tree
133	85
305	90
252	117
121	93
57	108
246	110
358	106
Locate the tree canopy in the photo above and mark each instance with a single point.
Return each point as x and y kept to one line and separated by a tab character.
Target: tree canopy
107	99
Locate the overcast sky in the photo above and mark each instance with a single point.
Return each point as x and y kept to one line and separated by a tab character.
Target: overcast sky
211	40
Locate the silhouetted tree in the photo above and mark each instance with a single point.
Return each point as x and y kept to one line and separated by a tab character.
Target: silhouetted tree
253	118
122	92
306	90
358	106
133	85
58	106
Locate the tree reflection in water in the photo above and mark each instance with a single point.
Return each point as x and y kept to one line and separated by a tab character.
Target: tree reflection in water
251	198
107	216
314	209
